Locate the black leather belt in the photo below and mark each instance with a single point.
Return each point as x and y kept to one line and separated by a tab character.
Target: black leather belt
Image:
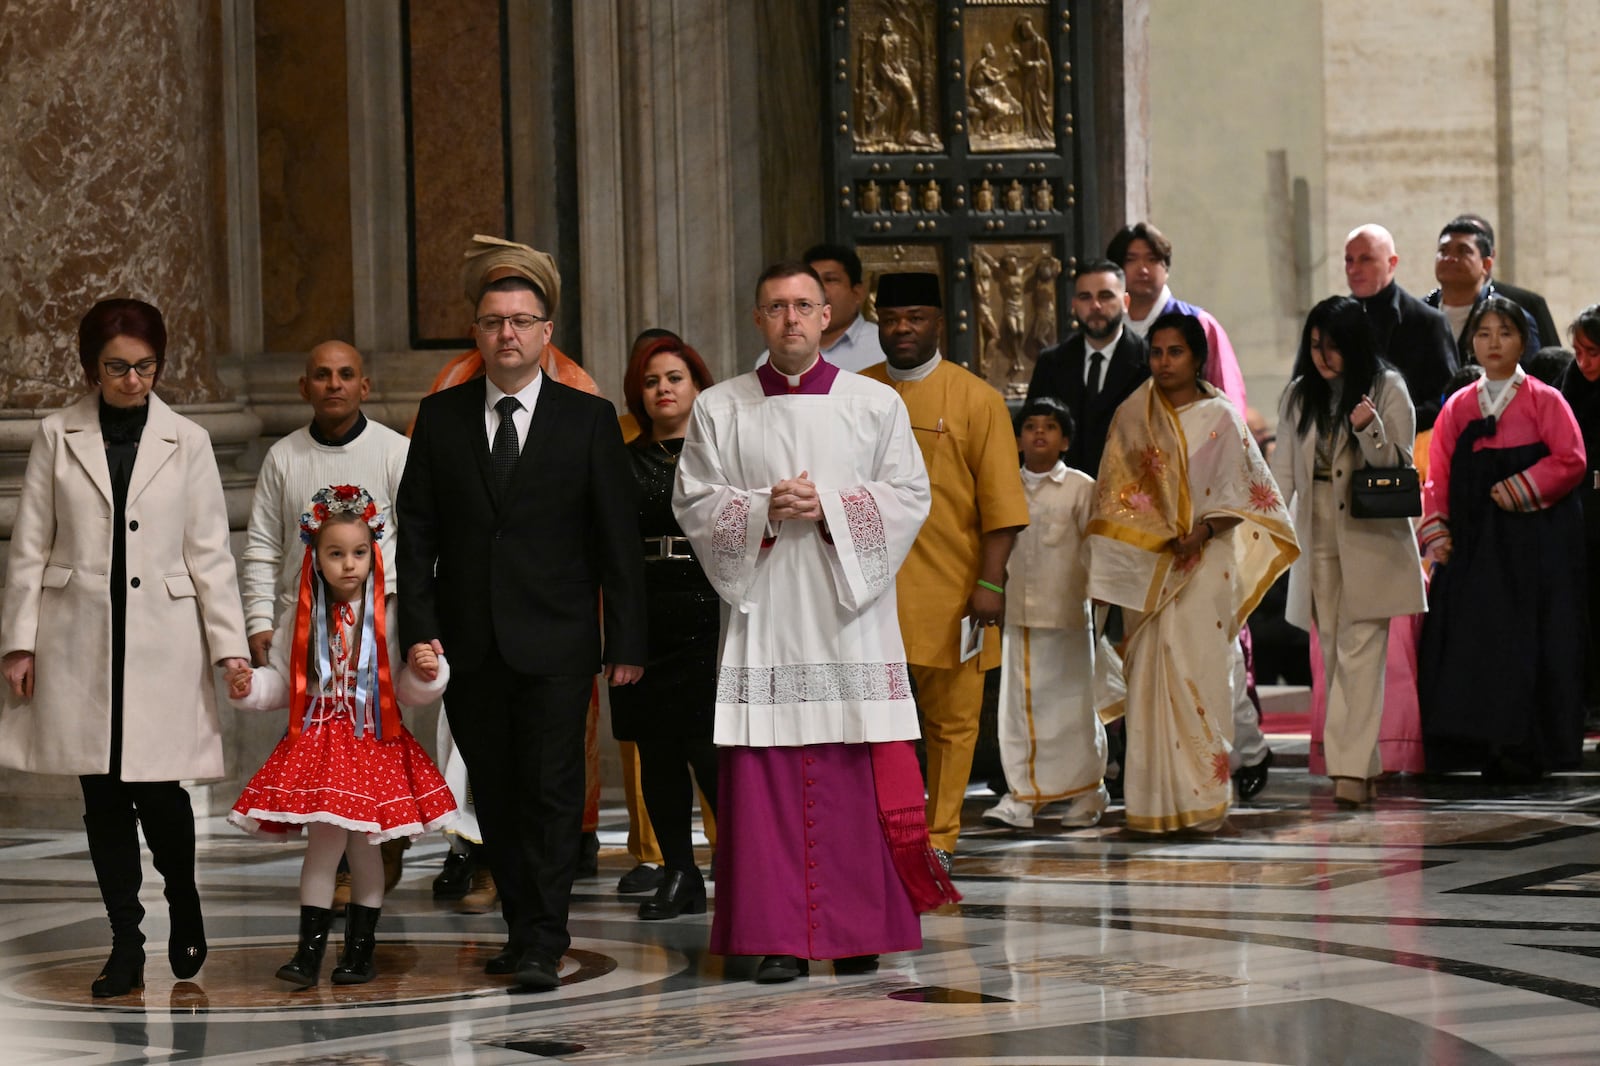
662	549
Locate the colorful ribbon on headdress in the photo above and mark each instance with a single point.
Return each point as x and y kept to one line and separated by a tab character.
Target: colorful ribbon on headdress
372	671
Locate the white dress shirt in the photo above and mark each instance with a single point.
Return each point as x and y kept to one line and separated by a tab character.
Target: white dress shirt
492	394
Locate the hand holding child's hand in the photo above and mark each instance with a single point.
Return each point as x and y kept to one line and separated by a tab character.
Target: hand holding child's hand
238	674
425	659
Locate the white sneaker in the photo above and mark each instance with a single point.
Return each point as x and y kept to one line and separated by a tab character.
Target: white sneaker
1010	812
1085	810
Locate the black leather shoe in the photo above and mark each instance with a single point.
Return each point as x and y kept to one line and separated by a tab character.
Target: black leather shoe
854	964
680	893
1250	780
504	962
537	973
589	855
642	878
456	877
122	973
776	969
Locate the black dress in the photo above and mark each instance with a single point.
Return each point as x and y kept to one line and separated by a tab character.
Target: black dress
678	692
1500	668
669	713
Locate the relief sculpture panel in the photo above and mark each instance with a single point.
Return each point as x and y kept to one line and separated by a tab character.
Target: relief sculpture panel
894	62
1010	89
1014	309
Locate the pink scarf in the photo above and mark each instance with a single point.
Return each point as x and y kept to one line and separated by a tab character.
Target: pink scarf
898	782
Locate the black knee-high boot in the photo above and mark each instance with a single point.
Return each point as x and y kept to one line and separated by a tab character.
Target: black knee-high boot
168	820
302	970
114	851
360	941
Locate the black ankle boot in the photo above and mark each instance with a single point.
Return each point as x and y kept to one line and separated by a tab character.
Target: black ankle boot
680	893
122	973
114	852
355	962
168	821
302	970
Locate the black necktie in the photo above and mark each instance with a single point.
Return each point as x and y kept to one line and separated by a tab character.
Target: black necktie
505	451
1091	389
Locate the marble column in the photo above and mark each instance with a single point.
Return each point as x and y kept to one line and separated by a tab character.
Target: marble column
656	169
111	166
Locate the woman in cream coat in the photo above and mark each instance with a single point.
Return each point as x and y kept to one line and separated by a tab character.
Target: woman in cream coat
120	596
1343	411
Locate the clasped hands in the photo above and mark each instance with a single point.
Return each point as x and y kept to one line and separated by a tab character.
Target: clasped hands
795	497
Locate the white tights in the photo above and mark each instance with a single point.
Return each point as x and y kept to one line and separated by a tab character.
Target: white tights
325	843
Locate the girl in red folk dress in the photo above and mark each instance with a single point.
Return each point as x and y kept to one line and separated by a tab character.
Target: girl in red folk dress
347	769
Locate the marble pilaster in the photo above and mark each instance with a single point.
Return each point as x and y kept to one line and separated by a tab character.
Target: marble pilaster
655	173
108	186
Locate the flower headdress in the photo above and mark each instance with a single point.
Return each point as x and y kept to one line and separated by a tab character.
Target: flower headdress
374	690
341	499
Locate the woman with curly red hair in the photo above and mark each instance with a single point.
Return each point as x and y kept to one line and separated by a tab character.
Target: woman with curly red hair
668	714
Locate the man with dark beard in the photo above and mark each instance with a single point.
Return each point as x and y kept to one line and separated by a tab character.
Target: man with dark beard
1098	367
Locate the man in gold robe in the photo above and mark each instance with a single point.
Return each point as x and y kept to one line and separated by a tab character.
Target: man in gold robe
957	568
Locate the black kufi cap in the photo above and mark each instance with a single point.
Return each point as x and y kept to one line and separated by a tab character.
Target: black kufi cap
908	290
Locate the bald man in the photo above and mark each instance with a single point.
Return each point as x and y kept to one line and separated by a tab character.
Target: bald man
1414	337
339	447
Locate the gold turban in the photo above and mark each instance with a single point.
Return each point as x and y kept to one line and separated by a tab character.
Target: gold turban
489	259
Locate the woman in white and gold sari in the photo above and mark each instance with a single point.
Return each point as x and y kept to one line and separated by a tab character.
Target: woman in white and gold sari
1189	531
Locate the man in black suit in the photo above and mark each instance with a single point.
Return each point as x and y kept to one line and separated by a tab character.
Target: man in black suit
1526	299
519	509
1412	336
1461	265
1093	370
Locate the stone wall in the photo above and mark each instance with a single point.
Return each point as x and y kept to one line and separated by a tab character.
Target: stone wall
1277	128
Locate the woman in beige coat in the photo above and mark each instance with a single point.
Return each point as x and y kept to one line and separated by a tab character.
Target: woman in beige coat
1346	410
121	544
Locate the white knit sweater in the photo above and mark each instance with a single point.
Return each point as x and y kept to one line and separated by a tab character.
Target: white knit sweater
294	469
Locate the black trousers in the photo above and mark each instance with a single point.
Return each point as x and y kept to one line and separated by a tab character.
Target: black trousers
664	764
113	811
521	736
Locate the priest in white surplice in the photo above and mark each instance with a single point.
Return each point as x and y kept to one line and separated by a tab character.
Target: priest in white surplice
802	489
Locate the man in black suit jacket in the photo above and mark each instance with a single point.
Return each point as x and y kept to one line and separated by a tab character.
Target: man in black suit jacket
1527	299
1099	300
1412	336
519	508
1461	265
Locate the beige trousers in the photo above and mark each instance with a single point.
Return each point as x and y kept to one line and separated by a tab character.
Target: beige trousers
1353	652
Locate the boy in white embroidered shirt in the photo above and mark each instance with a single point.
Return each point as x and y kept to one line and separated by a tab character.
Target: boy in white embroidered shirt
1052	745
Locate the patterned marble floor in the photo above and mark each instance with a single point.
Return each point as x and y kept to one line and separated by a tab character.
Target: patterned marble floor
1453	923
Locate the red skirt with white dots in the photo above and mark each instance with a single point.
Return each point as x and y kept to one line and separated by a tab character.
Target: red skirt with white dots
383	788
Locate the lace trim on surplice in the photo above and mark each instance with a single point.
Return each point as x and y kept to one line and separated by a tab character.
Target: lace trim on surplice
764	686
728	540
871	543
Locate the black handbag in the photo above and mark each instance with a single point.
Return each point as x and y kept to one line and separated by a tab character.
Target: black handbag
1385	492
